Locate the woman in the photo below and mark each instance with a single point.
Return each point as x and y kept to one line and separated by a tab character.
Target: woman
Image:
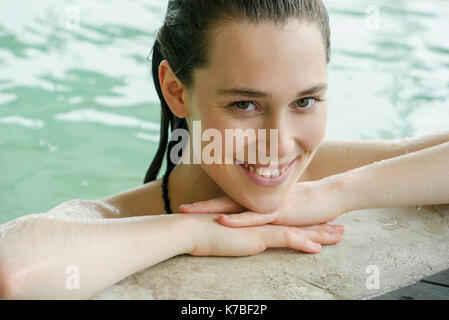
253	64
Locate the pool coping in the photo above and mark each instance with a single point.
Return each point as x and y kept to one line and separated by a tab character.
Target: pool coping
400	246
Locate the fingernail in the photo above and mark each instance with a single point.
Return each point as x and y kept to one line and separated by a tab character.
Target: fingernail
337	229
316	246
186	206
336	235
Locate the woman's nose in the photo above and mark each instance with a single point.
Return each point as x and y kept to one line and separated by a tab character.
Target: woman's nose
280	136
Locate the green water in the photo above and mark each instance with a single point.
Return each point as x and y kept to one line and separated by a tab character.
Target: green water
79	114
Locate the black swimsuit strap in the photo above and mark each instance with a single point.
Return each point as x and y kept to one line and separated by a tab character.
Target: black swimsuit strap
165	189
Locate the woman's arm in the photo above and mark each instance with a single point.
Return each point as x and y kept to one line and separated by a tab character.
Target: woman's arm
418	178
37	250
42	254
335	156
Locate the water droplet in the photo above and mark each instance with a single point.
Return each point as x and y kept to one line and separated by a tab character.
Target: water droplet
332	277
393	223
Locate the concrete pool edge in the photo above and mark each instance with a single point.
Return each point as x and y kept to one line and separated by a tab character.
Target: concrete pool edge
399	245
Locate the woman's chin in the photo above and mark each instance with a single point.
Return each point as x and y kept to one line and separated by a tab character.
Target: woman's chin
263	204
250	195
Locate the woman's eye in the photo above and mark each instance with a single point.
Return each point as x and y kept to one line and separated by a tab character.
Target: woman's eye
305	103
245	105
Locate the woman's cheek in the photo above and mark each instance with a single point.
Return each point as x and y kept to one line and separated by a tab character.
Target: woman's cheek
223	125
312	130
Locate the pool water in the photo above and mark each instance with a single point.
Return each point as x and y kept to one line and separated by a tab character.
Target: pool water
79	116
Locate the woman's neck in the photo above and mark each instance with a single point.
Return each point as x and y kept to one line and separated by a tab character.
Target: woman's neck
189	183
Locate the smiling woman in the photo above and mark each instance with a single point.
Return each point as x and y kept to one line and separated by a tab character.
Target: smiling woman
273	77
229	65
202	47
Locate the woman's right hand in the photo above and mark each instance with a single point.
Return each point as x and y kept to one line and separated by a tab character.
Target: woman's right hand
214	239
310	203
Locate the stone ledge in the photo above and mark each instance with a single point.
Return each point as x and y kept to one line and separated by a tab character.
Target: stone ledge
406	244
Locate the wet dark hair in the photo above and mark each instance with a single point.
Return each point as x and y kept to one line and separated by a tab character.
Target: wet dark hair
184	39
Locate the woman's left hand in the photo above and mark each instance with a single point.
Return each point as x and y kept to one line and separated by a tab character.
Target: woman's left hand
310	203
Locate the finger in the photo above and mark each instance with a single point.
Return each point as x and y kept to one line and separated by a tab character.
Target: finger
217	205
276	236
301	243
326	227
320	236
246	219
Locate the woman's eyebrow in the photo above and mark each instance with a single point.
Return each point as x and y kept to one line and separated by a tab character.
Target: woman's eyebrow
238	91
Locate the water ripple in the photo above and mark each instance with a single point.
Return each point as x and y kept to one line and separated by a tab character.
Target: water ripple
25	122
106	118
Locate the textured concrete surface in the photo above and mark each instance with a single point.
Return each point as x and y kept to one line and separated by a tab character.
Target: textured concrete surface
405	244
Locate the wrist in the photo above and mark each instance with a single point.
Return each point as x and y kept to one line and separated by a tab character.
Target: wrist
200	231
185	231
340	188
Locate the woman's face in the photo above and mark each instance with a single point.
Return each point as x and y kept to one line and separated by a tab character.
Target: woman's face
287	66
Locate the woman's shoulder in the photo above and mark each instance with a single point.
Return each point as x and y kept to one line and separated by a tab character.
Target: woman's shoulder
142	200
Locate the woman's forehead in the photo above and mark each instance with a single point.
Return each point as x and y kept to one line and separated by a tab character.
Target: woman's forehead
259	55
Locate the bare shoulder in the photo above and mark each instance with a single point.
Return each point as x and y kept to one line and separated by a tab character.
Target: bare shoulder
78	208
316	164
142	200
337	156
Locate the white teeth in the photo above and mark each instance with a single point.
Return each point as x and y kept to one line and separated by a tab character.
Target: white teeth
266	173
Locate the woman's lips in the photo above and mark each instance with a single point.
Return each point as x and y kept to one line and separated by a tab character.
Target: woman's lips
268	176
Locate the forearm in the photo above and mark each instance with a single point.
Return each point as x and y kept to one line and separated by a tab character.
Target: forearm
335	156
37	253
417	178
